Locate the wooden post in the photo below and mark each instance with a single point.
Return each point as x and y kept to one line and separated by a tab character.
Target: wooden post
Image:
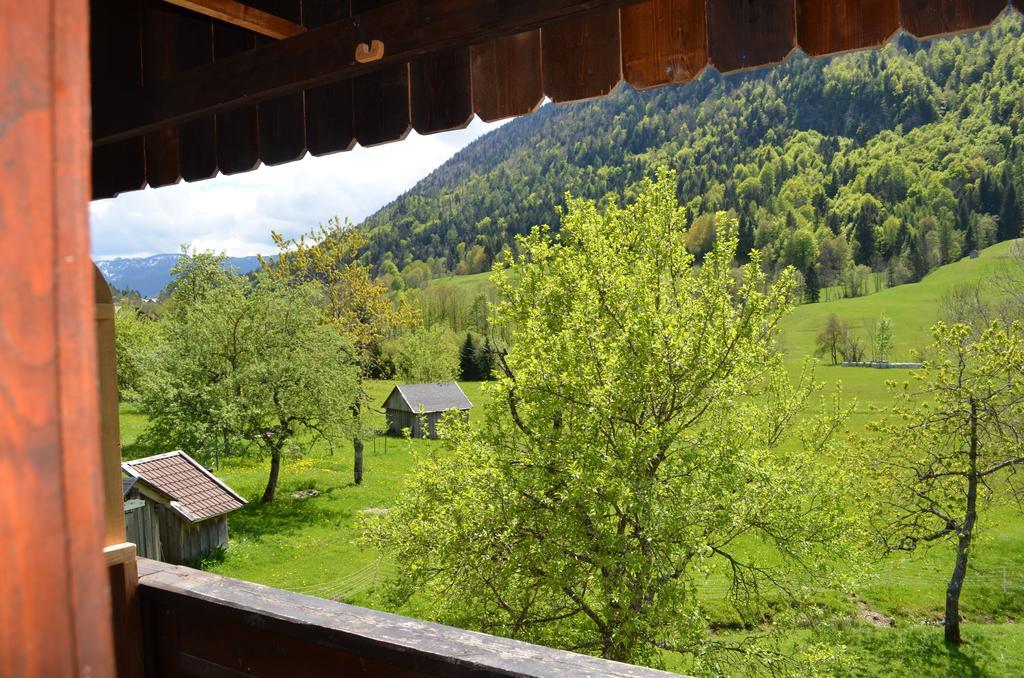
121	564
110	419
54	596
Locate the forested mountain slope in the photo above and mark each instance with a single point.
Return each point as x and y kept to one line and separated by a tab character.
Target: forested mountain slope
900	159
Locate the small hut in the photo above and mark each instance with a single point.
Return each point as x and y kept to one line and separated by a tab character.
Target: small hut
176	510
408	402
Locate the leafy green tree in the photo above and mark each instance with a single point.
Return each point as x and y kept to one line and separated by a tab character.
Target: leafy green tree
633	444
135	341
427	355
954	440
355	304
244	368
832	338
194	277
882	343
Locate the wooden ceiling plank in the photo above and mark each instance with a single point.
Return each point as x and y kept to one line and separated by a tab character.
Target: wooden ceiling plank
282	120
116	63
382	111
237	131
581	58
440	92
328	54
506	76
929	18
836	26
745	34
163	166
197	139
330	117
664	42
242	16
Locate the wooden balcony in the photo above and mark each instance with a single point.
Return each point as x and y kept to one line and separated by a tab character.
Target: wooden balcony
199	624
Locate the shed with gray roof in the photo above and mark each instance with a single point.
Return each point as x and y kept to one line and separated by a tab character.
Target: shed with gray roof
410	406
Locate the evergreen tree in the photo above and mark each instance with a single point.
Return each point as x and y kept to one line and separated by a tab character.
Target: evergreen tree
486	359
469	366
1009	215
812	286
746	237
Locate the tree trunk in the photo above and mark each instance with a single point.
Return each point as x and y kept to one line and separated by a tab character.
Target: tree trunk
357	460
275	470
956	582
357	443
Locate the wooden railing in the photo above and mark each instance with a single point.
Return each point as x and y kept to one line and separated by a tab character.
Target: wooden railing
200	624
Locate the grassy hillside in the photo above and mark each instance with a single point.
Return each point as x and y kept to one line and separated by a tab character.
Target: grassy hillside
913	307
306	541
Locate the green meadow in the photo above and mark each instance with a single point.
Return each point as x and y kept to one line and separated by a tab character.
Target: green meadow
306	540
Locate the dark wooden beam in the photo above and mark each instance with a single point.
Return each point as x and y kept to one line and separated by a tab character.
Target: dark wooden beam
928	18
664	42
243	16
825	28
506	76
408	29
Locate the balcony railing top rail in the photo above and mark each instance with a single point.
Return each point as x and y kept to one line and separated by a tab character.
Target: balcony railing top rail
198	623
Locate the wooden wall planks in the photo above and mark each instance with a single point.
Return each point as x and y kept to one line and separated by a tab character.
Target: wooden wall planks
927	18
440	92
282	121
237	131
382	111
506	76
193	47
163	164
581	58
55	615
844	25
746	34
330	121
663	42
116	65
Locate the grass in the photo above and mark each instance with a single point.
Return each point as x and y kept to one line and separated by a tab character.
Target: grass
306	541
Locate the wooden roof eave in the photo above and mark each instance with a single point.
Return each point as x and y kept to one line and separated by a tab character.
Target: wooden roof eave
462	58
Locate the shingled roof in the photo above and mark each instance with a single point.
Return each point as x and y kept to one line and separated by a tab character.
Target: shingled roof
197	494
429	398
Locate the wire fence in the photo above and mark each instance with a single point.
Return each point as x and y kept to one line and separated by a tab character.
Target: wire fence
350	584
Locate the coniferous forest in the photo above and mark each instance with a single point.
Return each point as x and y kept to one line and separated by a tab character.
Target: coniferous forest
893	161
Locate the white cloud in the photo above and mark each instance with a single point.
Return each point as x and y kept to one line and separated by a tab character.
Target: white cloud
237	213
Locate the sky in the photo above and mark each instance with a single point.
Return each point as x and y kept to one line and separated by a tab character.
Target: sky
236	214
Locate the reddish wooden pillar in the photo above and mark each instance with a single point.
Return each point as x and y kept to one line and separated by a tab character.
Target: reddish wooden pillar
54	593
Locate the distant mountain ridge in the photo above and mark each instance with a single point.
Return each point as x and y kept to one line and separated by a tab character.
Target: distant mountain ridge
149	275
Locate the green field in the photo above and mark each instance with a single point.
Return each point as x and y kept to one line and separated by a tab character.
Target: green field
307	543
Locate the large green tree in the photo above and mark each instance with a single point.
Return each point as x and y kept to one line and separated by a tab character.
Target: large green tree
354	304
954	439
644	433
247	367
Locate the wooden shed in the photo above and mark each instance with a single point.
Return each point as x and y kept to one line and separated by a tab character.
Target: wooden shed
409	406
178	510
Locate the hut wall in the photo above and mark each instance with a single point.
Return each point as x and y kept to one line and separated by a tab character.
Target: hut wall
142	528
400	419
184	542
170	534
